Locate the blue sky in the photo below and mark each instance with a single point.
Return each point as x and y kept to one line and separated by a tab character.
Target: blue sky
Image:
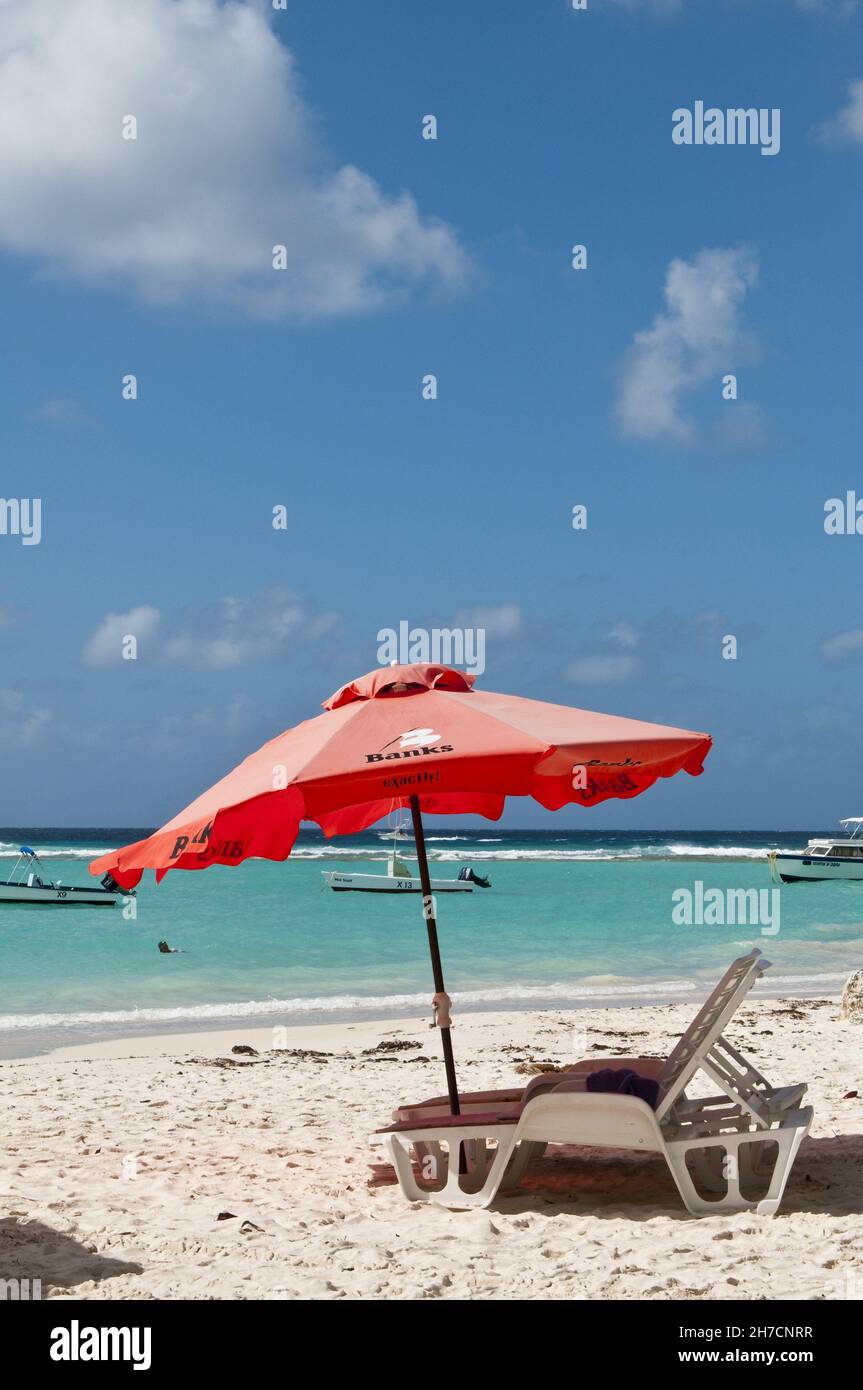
705	517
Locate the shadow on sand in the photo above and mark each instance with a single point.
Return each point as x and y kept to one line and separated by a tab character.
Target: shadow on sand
827	1177
32	1251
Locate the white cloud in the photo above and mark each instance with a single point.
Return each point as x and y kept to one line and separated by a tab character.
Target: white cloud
501	621
11	701
233	632
825	719
105	647
63	410
226	164
843	645
30	727
846	127
236	632
609	659
19	725
623	635
173	731
603	670
697	336
711	624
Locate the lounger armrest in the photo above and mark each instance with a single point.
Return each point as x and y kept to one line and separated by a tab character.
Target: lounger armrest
486	1099
483	1101
424	1114
436	1123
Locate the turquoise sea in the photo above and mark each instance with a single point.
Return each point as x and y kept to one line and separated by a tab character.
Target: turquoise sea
572	917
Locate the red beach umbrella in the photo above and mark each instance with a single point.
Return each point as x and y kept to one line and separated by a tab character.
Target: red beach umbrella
418	736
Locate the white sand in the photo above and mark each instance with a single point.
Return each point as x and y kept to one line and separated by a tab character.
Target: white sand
118	1159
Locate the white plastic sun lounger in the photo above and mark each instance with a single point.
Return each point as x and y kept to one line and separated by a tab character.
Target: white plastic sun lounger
701	1048
565	1115
722	1140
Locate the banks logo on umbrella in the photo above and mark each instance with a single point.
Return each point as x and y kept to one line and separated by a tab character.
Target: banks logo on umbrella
411	745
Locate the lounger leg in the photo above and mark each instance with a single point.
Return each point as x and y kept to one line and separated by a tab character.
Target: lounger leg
724	1164
789	1142
692	1200
401	1161
528	1149
489	1174
474	1188
787	1138
432	1160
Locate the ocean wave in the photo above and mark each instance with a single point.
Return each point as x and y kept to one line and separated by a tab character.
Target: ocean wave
685	851
828	982
458	856
544	856
335	1003
469	849
463	856
9	851
475	850
344	852
557	995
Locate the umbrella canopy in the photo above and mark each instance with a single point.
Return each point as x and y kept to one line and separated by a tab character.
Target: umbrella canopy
418	736
407	731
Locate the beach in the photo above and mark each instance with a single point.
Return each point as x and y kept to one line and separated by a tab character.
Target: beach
171	1167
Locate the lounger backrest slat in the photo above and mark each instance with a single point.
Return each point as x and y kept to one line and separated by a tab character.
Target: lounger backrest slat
743	1083
731	1053
739	1084
690	1051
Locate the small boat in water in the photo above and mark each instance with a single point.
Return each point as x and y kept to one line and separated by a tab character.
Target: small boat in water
840	857
29	885
400	878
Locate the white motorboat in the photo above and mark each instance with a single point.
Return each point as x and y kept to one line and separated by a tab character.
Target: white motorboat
29	885
840	857
400	878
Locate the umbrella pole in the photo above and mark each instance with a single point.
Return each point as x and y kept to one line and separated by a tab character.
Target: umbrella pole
434	949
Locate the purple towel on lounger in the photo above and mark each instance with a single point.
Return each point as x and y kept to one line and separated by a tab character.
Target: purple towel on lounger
625	1081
